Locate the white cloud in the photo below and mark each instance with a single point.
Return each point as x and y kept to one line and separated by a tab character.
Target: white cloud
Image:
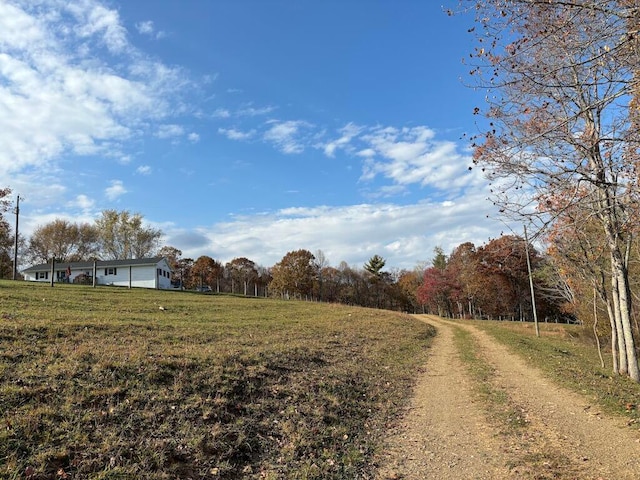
193	137
406	156
115	190
403	234
233	134
95	20
221	113
286	136
58	98
349	131
169	131
250	111
144	170
83	202
145	28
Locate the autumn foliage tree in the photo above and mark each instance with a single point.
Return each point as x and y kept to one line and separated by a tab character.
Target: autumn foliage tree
294	275
63	241
205	271
241	272
560	77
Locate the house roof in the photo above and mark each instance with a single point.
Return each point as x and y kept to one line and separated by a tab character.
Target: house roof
132	262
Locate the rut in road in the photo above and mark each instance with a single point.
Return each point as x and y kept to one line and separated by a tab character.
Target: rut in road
447	433
444	434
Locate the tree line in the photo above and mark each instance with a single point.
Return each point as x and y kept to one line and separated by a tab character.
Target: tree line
487	282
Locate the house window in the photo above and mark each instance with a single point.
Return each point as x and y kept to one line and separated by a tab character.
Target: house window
111	271
61	274
42	275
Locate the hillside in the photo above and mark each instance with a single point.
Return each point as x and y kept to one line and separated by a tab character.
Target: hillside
117	383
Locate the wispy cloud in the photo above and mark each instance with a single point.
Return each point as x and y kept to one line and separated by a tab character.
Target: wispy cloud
145	28
251	111
170	131
348	132
287	136
234	134
221	113
144	170
83	202
405	156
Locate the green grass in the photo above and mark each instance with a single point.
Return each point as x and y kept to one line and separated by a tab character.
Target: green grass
565	355
102	383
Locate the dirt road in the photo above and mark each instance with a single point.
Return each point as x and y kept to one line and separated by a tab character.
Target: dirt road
447	432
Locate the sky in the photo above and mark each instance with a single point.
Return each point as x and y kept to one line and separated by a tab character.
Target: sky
247	128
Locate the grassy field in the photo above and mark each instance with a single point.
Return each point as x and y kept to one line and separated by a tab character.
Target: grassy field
104	383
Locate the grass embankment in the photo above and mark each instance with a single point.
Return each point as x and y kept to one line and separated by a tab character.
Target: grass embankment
566	354
102	383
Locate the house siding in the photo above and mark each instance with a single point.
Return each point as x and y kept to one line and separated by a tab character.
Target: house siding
147	275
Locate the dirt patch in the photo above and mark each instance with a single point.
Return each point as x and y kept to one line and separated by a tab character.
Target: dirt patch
446	434
443	434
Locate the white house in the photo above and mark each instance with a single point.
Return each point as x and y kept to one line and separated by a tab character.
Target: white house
142	272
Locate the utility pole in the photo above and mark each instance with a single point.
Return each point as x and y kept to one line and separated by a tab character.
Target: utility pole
533	296
15	249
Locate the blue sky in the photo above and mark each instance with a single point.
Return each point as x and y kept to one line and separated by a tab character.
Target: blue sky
246	128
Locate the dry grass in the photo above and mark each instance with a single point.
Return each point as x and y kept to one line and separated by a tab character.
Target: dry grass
102	383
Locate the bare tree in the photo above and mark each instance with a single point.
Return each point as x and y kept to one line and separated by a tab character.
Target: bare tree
123	235
63	240
560	76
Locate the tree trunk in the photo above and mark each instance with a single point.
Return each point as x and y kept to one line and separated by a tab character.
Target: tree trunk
614	338
617	320
625	318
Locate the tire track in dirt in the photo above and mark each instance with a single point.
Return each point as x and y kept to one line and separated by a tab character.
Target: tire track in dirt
445	433
595	445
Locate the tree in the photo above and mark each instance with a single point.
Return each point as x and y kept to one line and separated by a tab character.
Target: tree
560	75
184	266
294	274
173	256
6	238
434	291
502	264
375	265
205	271
64	241
439	261
241	271
408	282
122	235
